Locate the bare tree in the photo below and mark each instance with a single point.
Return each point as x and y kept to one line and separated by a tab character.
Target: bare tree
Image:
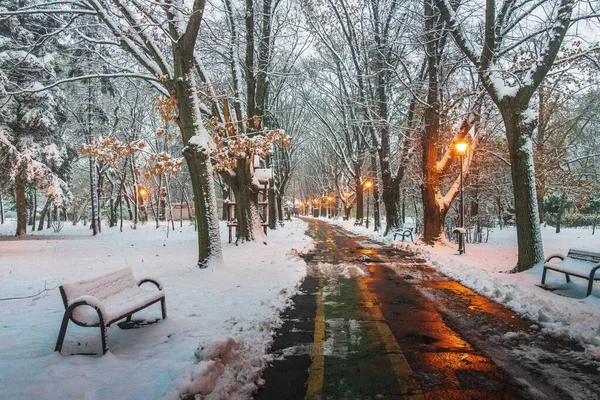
512	91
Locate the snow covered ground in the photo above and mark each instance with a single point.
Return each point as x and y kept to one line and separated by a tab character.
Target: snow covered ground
225	314
220	320
564	312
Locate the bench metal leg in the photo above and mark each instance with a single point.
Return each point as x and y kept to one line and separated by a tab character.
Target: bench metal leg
544	275
163	308
590	285
568	278
65	322
104	336
63	332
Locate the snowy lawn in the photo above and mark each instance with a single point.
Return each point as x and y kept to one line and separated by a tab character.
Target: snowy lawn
564	312
227	312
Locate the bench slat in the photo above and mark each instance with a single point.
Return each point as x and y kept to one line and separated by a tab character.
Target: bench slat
572	266
584	255
101	287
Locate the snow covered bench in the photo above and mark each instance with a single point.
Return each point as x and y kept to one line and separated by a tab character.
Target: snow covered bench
404	232
106	299
579	263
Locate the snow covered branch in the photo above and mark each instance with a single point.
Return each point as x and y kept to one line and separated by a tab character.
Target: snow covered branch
83	77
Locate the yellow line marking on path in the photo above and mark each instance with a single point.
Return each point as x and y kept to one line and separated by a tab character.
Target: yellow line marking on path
402	370
317	366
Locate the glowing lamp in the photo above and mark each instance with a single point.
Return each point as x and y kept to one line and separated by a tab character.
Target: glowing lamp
461	147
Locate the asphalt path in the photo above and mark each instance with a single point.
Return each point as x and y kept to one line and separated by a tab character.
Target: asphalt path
375	322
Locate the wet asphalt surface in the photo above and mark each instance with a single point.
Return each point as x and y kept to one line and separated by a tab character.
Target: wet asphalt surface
374	322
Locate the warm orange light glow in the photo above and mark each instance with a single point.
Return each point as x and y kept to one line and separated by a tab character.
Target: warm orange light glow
368	184
329	198
461	147
142	191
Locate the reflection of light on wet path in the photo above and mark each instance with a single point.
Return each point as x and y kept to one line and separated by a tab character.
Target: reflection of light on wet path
399	364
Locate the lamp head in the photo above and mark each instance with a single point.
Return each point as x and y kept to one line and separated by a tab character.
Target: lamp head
461	147
368	184
142	191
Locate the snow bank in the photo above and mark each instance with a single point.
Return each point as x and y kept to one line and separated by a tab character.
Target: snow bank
214	341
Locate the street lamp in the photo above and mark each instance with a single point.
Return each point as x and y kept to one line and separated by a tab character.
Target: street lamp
142	191
368	185
461	148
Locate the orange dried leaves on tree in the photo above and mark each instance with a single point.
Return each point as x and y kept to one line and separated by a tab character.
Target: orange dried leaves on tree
162	163
166	108
228	149
109	150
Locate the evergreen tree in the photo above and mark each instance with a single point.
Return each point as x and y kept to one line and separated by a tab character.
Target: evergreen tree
31	150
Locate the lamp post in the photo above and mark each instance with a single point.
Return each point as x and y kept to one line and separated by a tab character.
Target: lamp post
143	192
329	206
461	148
368	185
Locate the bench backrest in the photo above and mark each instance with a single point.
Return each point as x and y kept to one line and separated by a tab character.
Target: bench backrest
101	287
584	255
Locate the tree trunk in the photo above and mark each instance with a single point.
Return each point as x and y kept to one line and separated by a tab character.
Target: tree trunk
93	179
279	200
205	207
246	201
189	214
360	207
197	158
403	221
391	199
1	209
43	214
21	204
529	237
376	209
33	208
433	214
224	194
99	187
347	211
540	149
272	205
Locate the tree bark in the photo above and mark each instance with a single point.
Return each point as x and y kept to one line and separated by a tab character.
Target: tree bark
272	205
33	208
21	204
529	236
246	201
198	162
433	214
360	207
191	125
43	214
279	201
93	179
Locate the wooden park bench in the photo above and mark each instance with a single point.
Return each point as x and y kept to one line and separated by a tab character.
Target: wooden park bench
106	299
579	263
404	232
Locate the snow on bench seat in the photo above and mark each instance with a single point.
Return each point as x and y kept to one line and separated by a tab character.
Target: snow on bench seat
579	263
103	300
